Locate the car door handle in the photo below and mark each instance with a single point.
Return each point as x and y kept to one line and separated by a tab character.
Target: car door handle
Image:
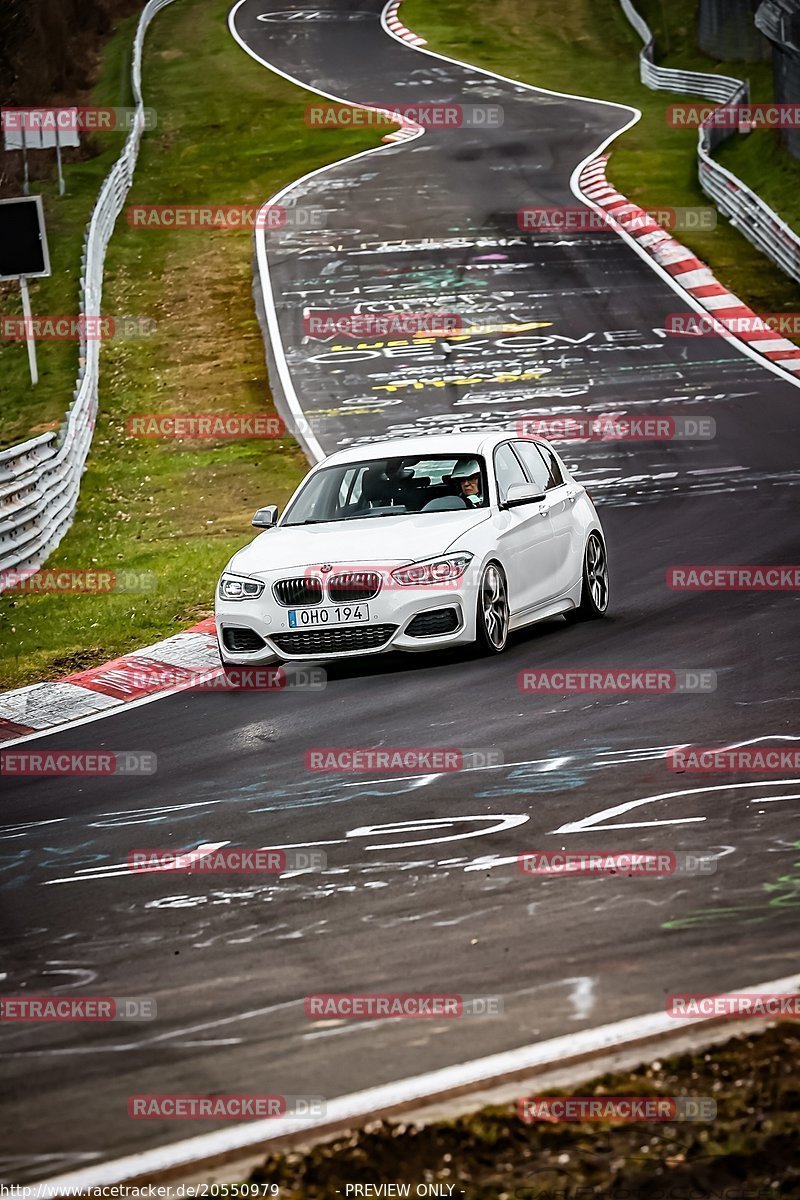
571	495
544	508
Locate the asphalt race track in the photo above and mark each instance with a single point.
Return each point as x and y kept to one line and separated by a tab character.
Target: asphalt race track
421	892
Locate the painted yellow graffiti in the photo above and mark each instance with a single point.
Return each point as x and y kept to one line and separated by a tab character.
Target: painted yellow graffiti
459	380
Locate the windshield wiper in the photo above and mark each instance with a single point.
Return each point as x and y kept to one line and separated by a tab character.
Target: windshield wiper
365	516
374	516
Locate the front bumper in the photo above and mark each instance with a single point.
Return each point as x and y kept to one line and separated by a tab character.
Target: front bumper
391	612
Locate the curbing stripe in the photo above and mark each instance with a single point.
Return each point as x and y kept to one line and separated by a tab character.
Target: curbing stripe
398	28
685	270
172	665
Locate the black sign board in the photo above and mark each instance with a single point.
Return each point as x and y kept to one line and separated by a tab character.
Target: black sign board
23	241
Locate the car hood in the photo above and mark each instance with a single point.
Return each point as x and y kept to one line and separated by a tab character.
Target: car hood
382	540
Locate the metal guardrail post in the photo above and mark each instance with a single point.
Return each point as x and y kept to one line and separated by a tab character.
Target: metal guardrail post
743	207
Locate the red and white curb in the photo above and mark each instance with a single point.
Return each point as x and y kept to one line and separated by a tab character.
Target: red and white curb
174	665
408	129
687	271
398	28
406	133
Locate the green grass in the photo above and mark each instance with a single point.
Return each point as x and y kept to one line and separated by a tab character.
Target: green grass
758	159
588	48
229	132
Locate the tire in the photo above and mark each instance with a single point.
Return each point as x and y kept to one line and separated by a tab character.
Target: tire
492	619
594	588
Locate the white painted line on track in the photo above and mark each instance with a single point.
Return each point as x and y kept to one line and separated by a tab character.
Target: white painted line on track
304	432
584	195
404	1093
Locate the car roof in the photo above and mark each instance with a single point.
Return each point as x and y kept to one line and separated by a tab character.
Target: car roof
430	444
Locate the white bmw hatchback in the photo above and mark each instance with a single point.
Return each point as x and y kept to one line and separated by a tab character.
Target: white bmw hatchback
415	544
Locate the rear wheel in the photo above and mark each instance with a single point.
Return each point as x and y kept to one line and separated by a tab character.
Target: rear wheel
595	589
493	614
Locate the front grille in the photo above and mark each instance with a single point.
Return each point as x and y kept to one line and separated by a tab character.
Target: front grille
292	593
241	641
354	586
334	641
429	624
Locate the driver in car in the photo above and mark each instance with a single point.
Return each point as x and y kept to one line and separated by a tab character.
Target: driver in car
467	478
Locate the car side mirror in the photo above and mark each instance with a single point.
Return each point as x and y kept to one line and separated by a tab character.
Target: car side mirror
266	518
523	493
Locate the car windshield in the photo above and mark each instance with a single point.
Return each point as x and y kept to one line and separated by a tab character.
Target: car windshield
390	487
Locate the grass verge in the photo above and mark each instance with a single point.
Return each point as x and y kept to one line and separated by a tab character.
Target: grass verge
589	49
749	1150
229	132
758	159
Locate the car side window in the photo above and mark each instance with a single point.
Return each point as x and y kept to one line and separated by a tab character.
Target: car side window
555	474
542	465
508	470
535	465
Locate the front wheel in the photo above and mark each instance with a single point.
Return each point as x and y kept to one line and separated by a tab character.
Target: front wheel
594	590
493	613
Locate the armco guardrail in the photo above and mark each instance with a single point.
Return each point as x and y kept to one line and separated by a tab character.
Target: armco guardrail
734	199
40	479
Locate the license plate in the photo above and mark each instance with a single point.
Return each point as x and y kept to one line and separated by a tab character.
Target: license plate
341	614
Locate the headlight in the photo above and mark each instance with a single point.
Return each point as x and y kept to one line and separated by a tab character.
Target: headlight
240	587
435	570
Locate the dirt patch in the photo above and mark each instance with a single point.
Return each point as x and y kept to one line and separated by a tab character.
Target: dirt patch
81	660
